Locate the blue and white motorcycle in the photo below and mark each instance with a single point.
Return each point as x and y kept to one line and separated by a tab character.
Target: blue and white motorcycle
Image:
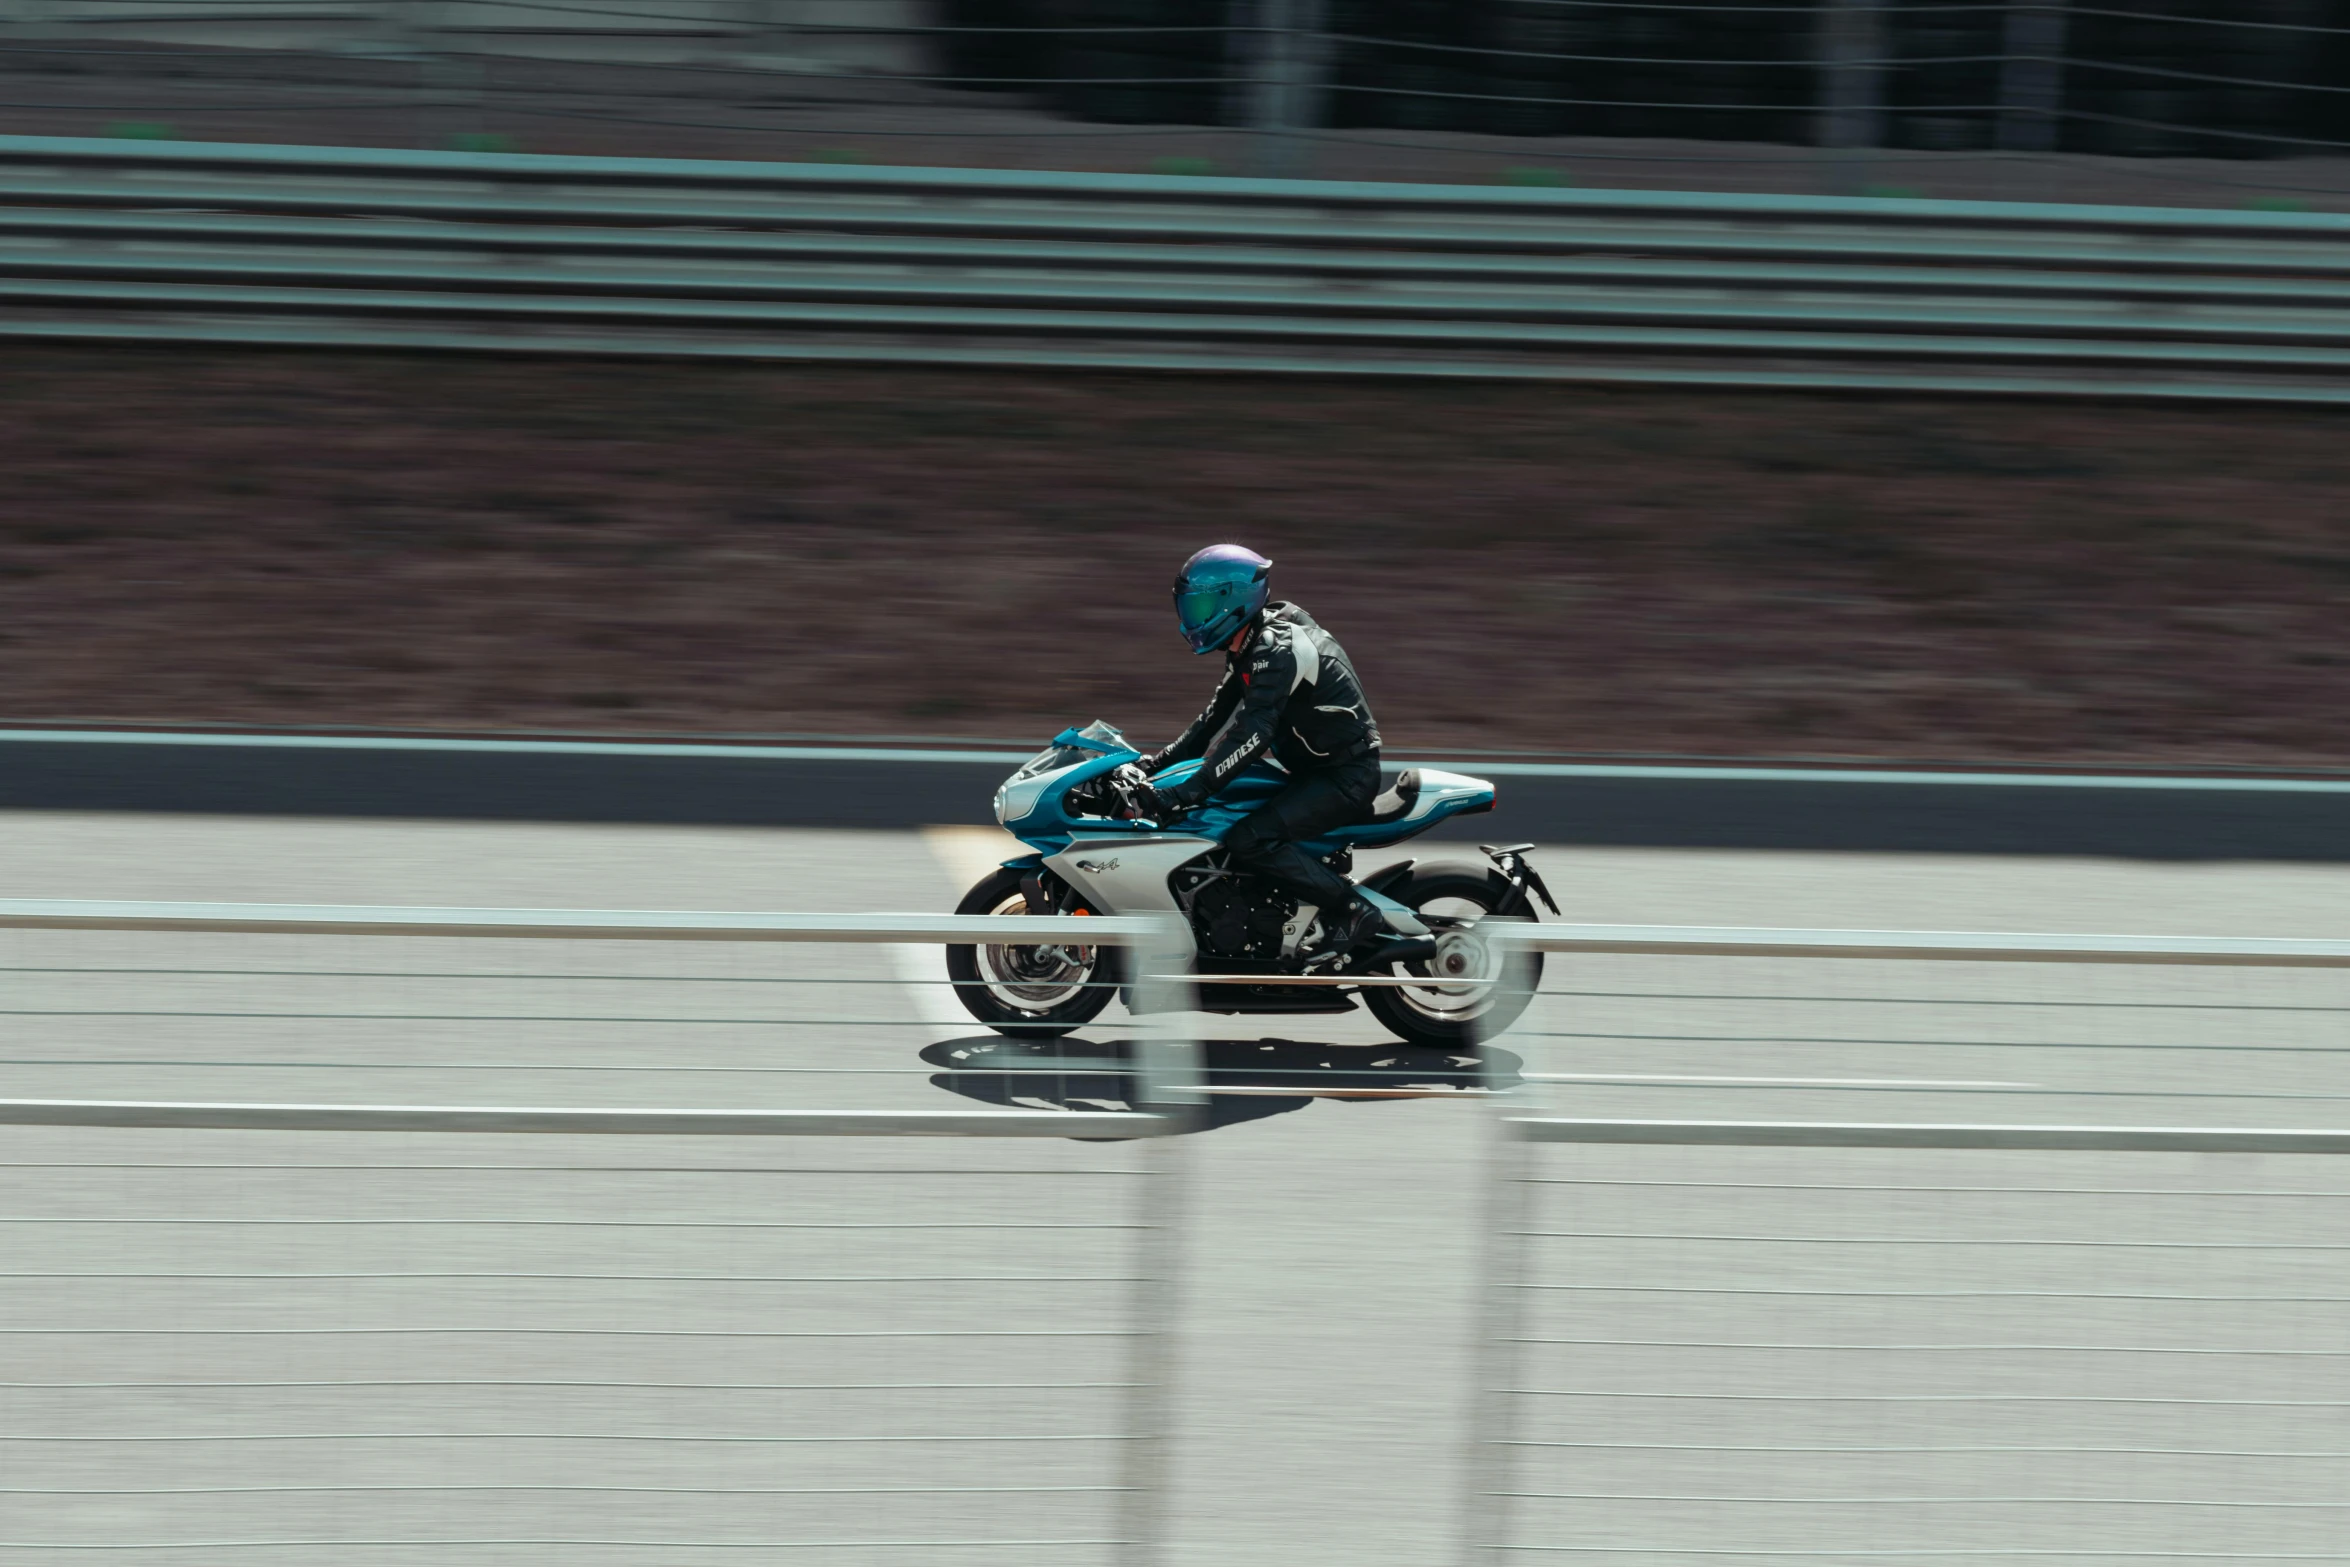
1434	981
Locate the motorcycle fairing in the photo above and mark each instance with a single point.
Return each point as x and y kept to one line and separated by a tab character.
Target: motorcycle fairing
1128	874
1442	795
1034	805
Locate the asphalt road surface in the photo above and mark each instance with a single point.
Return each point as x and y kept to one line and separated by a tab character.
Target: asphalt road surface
1742	1351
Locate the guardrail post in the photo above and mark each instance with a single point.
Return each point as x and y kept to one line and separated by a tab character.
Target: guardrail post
450	89
1852	52
769	37
1150	1398
1164	1070
384	31
1284	79
2031	80
1486	1507
1167	1080
408	34
1165	1062
1485	1497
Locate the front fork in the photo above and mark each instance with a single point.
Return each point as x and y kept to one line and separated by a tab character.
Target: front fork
1046	893
1525	881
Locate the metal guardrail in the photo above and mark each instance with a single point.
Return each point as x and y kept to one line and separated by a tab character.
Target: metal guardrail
1918	946
1929	1134
1713	1333
1932	947
109	240
1166	1081
225	1329
1707	1333
196	1116
221	1348
326	919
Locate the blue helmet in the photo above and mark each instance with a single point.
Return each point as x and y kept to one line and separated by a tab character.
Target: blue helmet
1217	592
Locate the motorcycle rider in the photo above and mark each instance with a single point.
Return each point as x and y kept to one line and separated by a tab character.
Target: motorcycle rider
1288	689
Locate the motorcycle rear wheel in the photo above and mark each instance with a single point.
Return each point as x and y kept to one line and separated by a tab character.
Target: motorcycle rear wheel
1028	992
1453	900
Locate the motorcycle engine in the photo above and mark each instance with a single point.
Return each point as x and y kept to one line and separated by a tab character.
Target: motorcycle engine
1241	917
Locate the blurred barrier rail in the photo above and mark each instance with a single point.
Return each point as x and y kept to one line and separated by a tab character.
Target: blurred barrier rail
105	240
229	1328
2043	1331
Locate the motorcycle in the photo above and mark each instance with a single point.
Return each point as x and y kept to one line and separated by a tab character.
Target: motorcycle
1432	978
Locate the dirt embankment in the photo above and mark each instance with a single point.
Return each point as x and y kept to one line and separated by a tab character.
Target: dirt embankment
471	543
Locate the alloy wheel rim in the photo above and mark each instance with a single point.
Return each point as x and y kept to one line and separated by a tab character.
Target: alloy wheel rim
1034	978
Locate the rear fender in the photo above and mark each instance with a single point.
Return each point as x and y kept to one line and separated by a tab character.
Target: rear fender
1385	880
1525	882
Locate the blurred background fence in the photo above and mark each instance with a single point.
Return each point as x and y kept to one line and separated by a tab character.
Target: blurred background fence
2170	100
1924	1257
114	240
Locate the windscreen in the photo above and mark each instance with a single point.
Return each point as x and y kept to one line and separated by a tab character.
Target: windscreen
1104	736
1049	760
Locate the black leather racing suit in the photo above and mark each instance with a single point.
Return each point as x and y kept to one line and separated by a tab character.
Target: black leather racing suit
1290	691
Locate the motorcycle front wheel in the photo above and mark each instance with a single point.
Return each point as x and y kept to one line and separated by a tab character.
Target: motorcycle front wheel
1028	992
1469	991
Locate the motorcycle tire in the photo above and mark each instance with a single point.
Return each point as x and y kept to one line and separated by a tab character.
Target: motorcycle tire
1444	1016
1029	992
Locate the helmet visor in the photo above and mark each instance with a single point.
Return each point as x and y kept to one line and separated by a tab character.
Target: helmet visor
1199	607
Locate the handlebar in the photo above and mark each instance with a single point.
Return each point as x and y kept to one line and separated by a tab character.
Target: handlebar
1112	794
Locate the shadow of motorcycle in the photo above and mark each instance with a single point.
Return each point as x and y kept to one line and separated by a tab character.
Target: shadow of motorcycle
1245	1079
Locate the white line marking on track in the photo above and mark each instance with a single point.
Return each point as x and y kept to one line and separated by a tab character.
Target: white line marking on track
967	855
922	971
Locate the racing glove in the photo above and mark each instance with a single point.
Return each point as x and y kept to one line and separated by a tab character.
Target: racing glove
1144	801
1122	794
